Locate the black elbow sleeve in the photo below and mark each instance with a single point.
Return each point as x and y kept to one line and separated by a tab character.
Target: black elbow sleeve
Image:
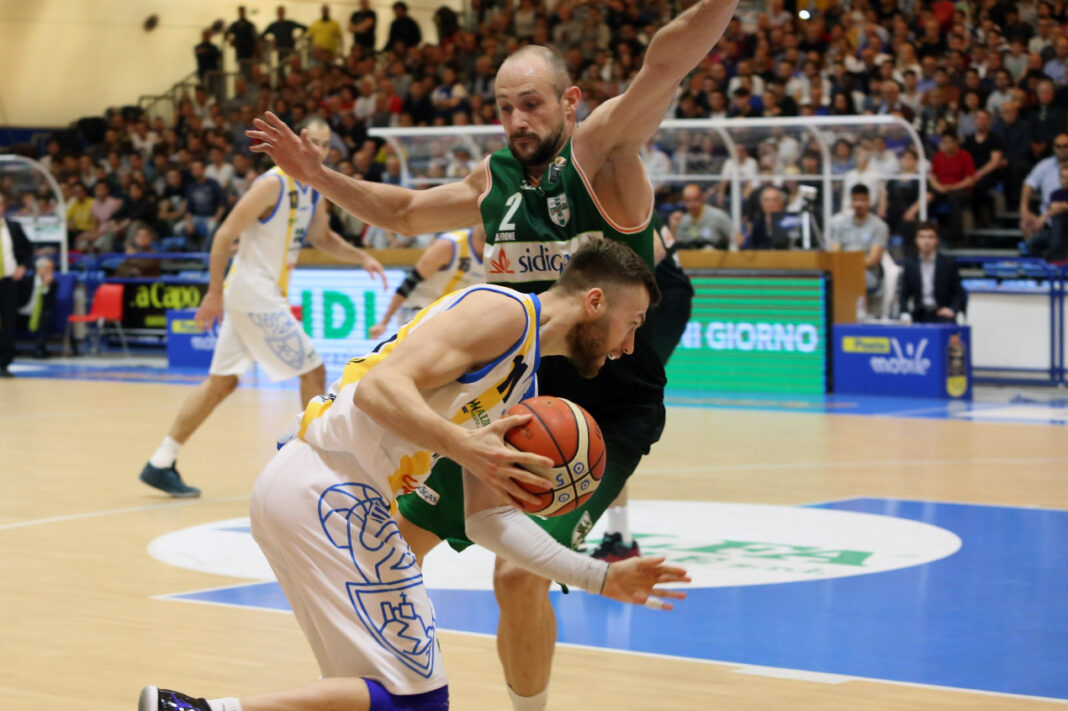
409	283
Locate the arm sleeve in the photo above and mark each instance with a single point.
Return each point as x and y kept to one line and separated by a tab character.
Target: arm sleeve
510	534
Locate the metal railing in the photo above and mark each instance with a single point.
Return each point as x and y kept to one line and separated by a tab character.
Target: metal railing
730	133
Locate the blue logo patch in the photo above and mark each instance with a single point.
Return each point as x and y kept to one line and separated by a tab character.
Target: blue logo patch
391	600
282	336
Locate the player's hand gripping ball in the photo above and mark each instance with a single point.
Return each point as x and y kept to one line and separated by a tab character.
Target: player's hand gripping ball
564	432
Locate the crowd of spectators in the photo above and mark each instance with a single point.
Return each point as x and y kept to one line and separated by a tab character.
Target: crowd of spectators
984	83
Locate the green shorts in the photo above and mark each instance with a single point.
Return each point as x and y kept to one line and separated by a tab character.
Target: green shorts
445	518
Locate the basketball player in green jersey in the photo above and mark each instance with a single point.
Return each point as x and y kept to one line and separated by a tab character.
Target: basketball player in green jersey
554	184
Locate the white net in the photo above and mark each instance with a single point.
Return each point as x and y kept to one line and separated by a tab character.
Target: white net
36	202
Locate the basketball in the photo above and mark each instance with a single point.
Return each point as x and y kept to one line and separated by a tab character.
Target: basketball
564	432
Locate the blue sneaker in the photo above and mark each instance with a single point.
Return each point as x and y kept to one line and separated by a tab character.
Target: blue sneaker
156	699
168	480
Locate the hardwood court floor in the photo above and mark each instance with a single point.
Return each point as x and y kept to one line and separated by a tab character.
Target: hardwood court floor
80	626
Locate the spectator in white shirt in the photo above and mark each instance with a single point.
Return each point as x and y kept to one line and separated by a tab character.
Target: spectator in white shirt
219	170
656	164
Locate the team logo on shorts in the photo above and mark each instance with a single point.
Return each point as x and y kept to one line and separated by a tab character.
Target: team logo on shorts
282	335
559	212
389	599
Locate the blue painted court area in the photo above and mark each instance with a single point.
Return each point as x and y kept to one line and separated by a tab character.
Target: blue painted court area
990	617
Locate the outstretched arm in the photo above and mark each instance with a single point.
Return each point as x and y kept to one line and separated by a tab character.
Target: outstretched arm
394	209
626	122
329	242
509	533
434	258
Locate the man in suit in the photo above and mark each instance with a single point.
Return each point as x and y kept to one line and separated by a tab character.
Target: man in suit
931	290
16	252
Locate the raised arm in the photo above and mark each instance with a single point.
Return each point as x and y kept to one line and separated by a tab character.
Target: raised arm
434	258
329	242
626	122
395	209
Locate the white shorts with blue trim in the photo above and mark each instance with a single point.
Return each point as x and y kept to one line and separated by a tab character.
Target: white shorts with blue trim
274	339
350	577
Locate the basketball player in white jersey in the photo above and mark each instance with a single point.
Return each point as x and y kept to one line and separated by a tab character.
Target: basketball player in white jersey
322	508
271	219
537	104
453	261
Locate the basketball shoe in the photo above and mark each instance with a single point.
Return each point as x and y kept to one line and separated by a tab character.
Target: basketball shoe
156	699
169	480
612	549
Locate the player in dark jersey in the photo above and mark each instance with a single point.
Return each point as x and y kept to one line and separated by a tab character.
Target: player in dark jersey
554	185
667	323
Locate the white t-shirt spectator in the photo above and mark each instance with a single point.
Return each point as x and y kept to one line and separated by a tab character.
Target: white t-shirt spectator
747	171
364	107
736	82
222	174
656	164
866	177
884	164
1045	177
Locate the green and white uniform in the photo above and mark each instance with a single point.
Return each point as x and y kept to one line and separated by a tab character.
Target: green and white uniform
531	232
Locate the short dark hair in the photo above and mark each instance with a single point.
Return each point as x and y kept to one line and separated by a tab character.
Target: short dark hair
926	226
606	263
860	189
950	133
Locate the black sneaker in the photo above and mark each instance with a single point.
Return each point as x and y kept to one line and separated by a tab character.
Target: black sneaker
613	549
168	480
156	699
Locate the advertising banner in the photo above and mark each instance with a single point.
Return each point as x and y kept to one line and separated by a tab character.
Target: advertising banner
187	345
338	306
754	333
147	302
921	360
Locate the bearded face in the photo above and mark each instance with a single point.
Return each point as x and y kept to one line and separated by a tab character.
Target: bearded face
532	150
588	346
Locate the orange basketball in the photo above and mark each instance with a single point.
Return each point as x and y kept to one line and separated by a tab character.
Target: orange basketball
564	432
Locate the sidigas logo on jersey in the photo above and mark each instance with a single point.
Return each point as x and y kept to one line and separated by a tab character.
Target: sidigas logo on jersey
532	261
500	264
559	211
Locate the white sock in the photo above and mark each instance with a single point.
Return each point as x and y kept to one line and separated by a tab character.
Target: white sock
618	522
529	703
227	704
166	454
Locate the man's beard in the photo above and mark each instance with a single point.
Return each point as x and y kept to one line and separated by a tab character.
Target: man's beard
586	345
544	151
